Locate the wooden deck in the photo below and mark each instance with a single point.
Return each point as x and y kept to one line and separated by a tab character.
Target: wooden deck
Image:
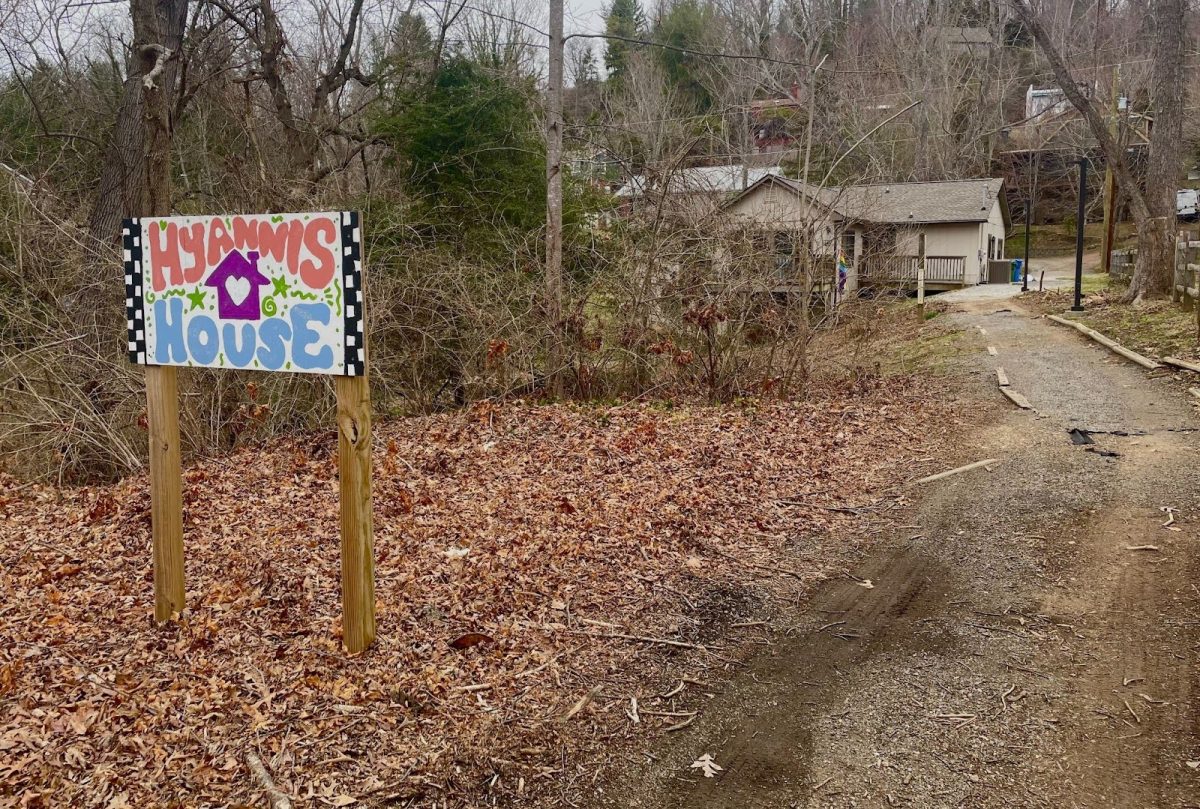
941	272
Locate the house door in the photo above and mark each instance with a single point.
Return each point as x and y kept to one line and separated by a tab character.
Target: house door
844	272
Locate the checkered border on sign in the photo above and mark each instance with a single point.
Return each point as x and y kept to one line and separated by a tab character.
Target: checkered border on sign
135	315
352	288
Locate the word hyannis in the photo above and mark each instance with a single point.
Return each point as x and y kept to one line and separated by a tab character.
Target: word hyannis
273	292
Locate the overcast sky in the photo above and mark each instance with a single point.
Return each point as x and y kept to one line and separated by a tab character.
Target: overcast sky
583	16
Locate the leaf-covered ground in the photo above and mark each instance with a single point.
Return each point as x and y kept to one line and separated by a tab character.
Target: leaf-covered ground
559	534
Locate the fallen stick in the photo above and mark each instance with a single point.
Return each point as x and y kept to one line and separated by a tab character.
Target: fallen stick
1016	398
1195	392
275	798
958	470
1184	364
583	702
992	350
1109	343
1004	696
643	638
676	690
1001	377
681	725
1141	547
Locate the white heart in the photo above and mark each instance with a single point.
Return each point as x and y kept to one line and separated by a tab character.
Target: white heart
237	289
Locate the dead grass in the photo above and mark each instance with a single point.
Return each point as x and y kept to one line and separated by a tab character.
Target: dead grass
1156	329
887	337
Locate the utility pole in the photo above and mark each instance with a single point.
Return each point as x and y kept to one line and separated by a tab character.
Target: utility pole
1030	208
1079	222
554	201
1110	185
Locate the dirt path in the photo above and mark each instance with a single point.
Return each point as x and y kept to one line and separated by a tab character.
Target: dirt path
1013	651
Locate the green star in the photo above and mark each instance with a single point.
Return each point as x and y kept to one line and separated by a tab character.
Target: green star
196	296
280	286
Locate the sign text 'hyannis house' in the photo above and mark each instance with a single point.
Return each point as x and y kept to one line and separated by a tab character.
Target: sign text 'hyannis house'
269	292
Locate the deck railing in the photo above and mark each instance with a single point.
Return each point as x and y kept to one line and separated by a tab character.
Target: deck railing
903	269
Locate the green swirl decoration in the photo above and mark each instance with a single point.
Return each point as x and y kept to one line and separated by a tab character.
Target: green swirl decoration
268	307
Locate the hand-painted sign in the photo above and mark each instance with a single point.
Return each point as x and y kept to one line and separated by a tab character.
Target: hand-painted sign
272	292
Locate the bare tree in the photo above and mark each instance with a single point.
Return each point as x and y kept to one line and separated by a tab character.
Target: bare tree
1153	210
306	126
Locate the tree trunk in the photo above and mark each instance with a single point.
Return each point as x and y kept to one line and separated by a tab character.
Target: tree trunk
139	131
1154	273
122	177
157	37
556	353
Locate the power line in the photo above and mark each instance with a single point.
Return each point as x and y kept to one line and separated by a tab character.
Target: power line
737	107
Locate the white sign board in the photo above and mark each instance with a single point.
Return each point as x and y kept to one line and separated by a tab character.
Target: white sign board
267	292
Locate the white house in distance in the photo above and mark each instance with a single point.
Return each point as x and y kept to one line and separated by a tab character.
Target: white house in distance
884	230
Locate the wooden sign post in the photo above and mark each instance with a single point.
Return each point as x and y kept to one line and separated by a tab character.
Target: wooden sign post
166	501
354	471
271	292
921	291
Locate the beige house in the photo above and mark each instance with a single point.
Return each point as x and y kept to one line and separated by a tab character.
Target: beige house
884	232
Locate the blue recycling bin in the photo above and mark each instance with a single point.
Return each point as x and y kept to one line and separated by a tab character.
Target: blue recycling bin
1018	266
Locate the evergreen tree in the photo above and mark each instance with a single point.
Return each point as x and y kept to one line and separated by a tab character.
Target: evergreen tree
624	19
683	25
474	162
588	72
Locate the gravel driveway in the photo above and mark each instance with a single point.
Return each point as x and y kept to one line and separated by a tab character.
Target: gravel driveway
1029	637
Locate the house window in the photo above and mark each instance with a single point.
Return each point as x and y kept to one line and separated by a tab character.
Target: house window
848	246
785	259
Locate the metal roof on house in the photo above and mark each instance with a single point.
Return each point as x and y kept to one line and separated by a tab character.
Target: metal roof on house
909	203
701	180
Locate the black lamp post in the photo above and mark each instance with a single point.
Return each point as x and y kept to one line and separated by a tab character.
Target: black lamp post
1079	222
1030	205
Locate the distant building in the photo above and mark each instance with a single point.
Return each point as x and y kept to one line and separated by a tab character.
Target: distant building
773	121
883	232
597	166
1051	101
1048	142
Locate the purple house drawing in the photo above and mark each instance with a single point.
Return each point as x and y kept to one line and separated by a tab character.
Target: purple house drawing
237	280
